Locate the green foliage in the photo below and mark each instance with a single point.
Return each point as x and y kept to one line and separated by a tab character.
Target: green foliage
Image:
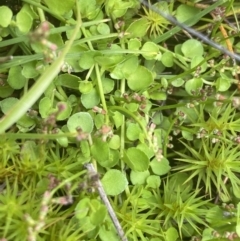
155	22
81	120
24	21
6	16
180	206
114	84
60	8
212	165
114	182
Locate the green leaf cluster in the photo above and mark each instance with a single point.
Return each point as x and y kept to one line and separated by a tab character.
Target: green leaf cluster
115	84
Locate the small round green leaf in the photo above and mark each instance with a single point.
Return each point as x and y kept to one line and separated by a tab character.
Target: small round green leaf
87	226
25	123
29	70
63	141
103	28
138	28
100	152
90	99
93	30
171	234
114	158
129	66
153	181
45	106
146	149
114	142
167	59
118	119
5	16
125	68
99	120
132	107
6	91
136	159
156	67
185	12
89	9
72	99
66	112
158	95
108	233
114	182
223	83
98	216
24	21
82	208
164	83
60	7
191	48
134	44
139	178
187	135
151	50
160	167
140	79
15	79
193	86
105	156
191	115
7	104
177	82
86	60
117	9
108	85
85	87
196	60
82	120
133	131
4	33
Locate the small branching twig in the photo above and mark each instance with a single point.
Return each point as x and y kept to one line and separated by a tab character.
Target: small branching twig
105	200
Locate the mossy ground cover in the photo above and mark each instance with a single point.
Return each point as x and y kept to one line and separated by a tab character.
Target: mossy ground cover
115	100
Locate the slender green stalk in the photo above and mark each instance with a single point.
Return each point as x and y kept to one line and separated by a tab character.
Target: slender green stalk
41	14
99	81
34	136
101	93
123	127
59	94
88	42
40	86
